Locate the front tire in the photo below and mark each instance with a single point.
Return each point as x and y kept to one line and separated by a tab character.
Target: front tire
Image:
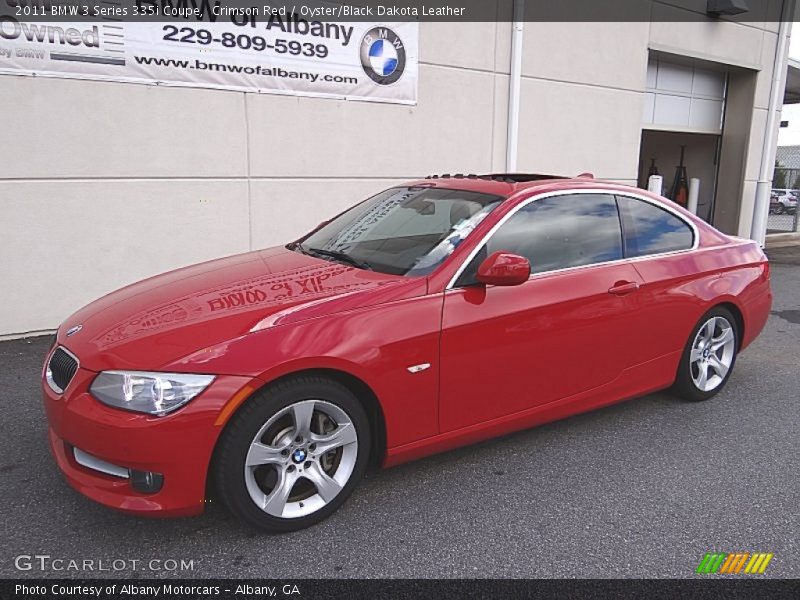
293	454
709	356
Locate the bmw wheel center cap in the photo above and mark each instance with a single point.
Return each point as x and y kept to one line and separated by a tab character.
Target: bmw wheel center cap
299	455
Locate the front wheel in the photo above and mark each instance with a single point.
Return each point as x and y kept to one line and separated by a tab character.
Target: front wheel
709	356
293	454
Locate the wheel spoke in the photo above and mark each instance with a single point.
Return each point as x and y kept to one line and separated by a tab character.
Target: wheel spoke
276	501
708	329
341	436
695	355
327	486
261	454
720	367
301	413
719	342
702	377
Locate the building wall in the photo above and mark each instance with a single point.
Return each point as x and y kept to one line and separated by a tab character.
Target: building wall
102	184
584	84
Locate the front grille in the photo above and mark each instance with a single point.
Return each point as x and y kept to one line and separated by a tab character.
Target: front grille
61	369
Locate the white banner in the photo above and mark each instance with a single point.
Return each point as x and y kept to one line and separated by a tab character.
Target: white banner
283	54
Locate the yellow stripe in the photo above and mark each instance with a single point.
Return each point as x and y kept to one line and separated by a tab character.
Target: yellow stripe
759	557
767	558
728	562
741	562
751	563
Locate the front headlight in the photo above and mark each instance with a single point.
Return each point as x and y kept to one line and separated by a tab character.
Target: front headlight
148	392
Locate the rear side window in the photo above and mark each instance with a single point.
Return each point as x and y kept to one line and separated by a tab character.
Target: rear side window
562	231
649	229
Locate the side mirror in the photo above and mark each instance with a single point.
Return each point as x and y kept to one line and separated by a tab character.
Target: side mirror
504	268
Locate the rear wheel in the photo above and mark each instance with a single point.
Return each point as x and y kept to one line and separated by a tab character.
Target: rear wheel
293	454
709	356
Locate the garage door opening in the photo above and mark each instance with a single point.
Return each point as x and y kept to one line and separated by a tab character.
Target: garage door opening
661	154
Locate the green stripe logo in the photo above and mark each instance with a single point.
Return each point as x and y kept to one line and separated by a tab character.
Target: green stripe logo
711	562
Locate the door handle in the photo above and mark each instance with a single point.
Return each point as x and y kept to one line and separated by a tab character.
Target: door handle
622	288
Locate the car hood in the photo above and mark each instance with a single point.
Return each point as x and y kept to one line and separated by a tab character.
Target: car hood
159	320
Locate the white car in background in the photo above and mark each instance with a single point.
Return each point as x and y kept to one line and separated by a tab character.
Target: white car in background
783	201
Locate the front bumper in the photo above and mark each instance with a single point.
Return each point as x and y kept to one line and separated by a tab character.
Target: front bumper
178	445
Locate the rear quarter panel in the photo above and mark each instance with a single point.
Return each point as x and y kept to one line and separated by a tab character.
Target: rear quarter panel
680	288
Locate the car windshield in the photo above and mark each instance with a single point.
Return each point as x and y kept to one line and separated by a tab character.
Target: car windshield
401	231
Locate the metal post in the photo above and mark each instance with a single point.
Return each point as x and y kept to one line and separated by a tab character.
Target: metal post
514	83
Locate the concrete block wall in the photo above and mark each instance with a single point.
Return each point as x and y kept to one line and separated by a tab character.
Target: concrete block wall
102	184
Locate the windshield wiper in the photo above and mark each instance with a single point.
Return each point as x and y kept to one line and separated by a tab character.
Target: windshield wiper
337	255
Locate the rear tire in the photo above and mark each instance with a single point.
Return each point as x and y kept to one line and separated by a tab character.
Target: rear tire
709	356
293	454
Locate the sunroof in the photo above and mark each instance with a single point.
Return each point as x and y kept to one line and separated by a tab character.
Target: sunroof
508	177
521	177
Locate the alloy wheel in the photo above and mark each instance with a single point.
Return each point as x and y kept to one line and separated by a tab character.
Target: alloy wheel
712	353
301	458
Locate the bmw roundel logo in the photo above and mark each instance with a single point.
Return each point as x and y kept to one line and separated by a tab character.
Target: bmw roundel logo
383	55
299	455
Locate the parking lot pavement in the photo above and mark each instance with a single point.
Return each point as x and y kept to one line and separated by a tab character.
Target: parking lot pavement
641	489
786	255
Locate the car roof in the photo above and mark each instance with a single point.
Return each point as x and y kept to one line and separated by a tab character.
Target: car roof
513	187
509	184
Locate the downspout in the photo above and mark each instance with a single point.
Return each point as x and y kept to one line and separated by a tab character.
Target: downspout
512	138
758	230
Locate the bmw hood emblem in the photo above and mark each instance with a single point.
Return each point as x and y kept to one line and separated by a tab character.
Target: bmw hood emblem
73	330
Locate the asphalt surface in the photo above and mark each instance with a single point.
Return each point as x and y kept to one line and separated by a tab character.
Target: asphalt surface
641	489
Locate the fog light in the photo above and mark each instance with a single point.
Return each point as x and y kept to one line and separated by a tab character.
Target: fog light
146	482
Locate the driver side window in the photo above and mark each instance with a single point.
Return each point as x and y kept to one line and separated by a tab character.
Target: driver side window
557	232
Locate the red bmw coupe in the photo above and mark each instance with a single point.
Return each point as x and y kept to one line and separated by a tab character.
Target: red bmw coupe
434	314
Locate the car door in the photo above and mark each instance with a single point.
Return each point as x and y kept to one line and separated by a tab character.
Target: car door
660	242
565	331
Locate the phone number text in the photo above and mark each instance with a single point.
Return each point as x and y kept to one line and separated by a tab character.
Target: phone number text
243	41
